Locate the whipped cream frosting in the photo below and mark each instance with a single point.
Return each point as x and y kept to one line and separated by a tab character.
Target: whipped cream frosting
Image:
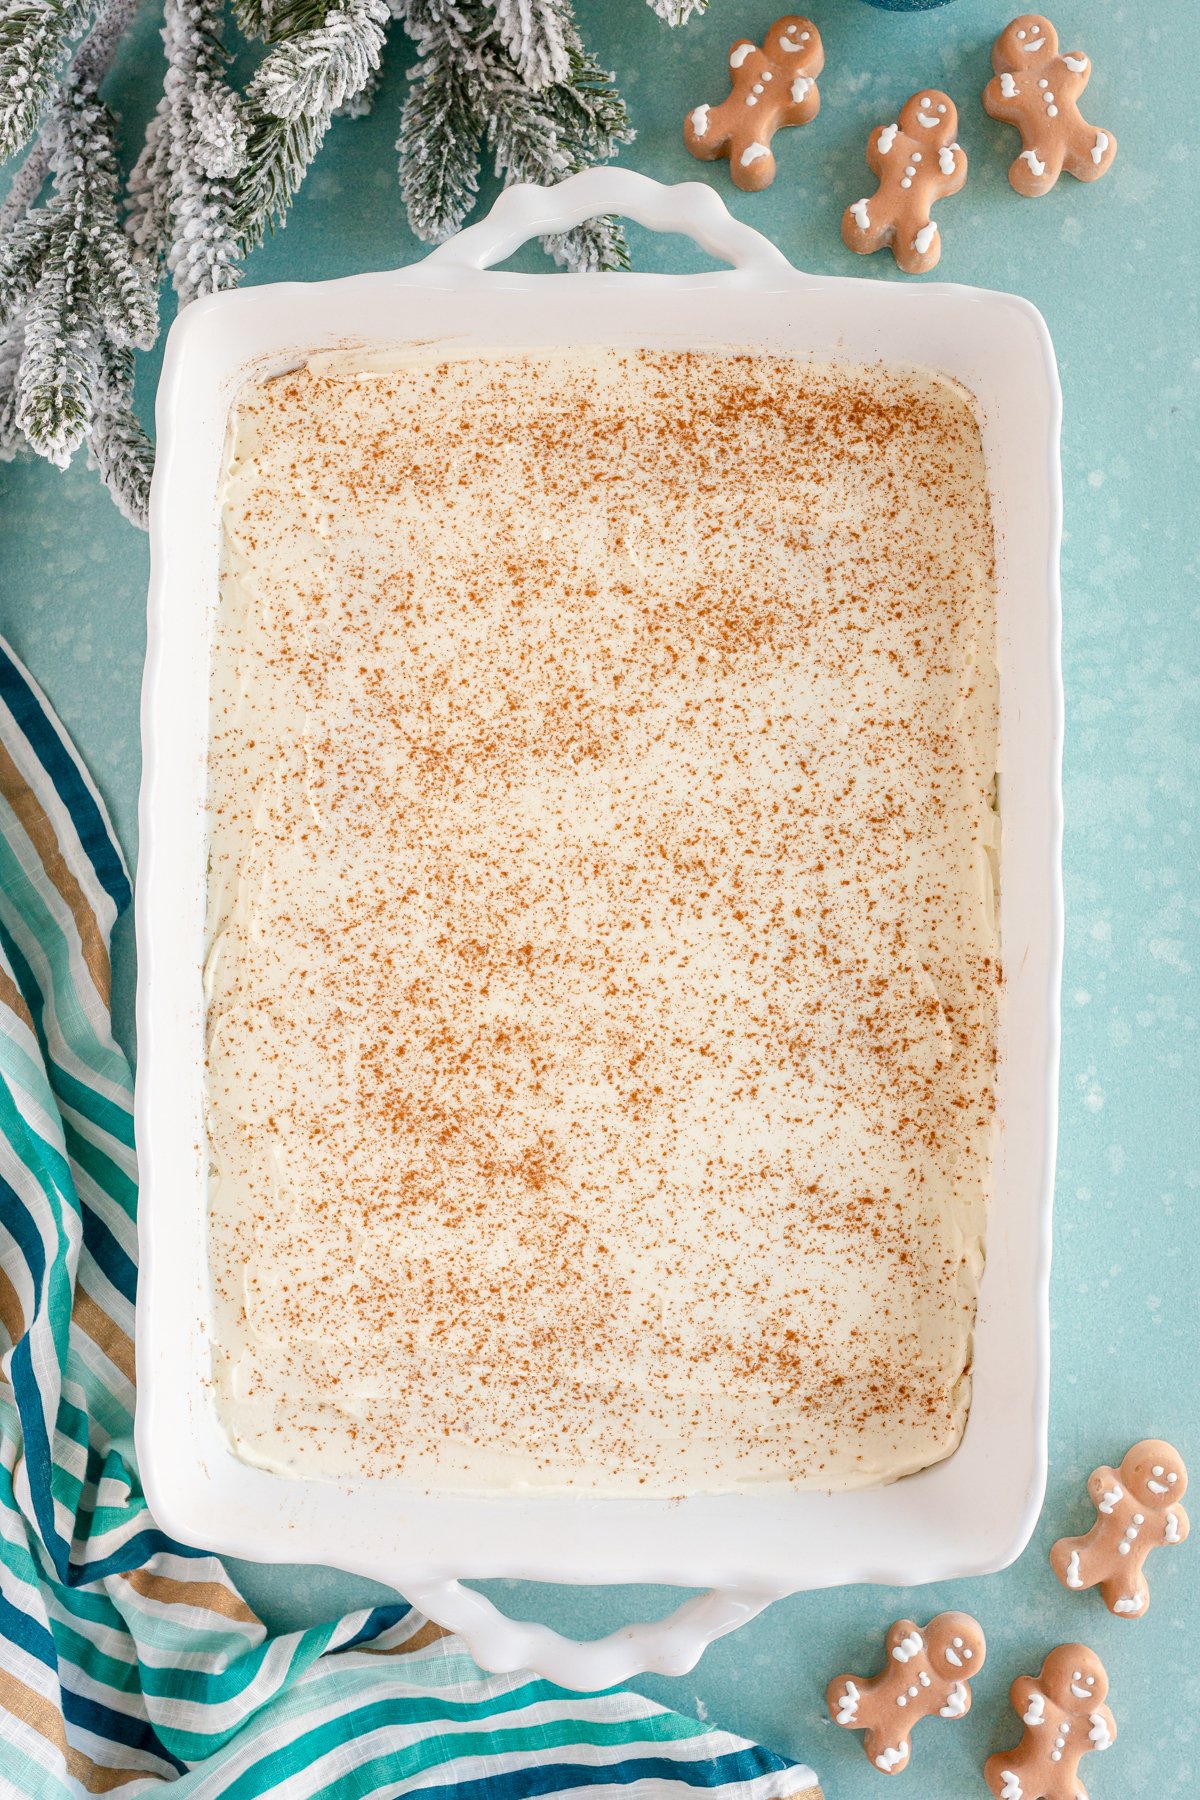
602	958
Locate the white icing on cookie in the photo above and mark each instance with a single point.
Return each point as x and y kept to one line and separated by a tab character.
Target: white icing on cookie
1099	1736
925	237
956	1702
848	1704
1100	146
752	153
890	1758
739	53
861	216
1037	167
700	120
887	137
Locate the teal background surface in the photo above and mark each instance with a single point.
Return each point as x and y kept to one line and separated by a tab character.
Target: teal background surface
1114	269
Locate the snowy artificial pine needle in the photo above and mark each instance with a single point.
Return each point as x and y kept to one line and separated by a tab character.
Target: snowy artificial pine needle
358	105
506	80
678	12
540	36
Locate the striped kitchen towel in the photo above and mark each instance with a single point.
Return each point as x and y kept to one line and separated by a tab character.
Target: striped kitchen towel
127	1659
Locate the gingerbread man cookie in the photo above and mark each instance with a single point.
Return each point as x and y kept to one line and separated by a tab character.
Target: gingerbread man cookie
1064	1715
917	162
926	1673
774	86
1137	1510
1037	90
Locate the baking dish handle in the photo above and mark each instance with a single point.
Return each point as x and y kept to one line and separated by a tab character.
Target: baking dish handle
669	1646
525	211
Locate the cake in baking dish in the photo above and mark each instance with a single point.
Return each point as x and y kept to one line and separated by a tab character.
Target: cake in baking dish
602	964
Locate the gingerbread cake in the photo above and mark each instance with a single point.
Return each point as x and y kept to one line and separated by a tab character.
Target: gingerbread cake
602	962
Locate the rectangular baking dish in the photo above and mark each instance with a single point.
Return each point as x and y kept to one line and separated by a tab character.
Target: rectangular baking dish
968	1515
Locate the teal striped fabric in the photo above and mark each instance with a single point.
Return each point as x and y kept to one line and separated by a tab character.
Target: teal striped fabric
127	1659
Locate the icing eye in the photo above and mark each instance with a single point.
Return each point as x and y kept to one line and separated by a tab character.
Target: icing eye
968	1654
1157	1469
1021	35
1172	1476
941	109
1078	1675
958	1643
925	102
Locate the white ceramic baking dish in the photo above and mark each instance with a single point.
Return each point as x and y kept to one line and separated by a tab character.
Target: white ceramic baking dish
970	1514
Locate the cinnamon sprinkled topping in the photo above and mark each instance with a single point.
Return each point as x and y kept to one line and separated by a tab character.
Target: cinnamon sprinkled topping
602	961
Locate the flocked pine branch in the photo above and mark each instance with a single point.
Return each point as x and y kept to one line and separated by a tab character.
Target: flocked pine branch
35	42
117	446
181	190
12	349
304	79
72	301
440	130
317	70
65	270
466	88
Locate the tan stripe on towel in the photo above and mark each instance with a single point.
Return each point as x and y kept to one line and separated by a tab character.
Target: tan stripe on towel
12	1319
12	997
34	1710
104	1332
42	836
425	1634
166	1590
